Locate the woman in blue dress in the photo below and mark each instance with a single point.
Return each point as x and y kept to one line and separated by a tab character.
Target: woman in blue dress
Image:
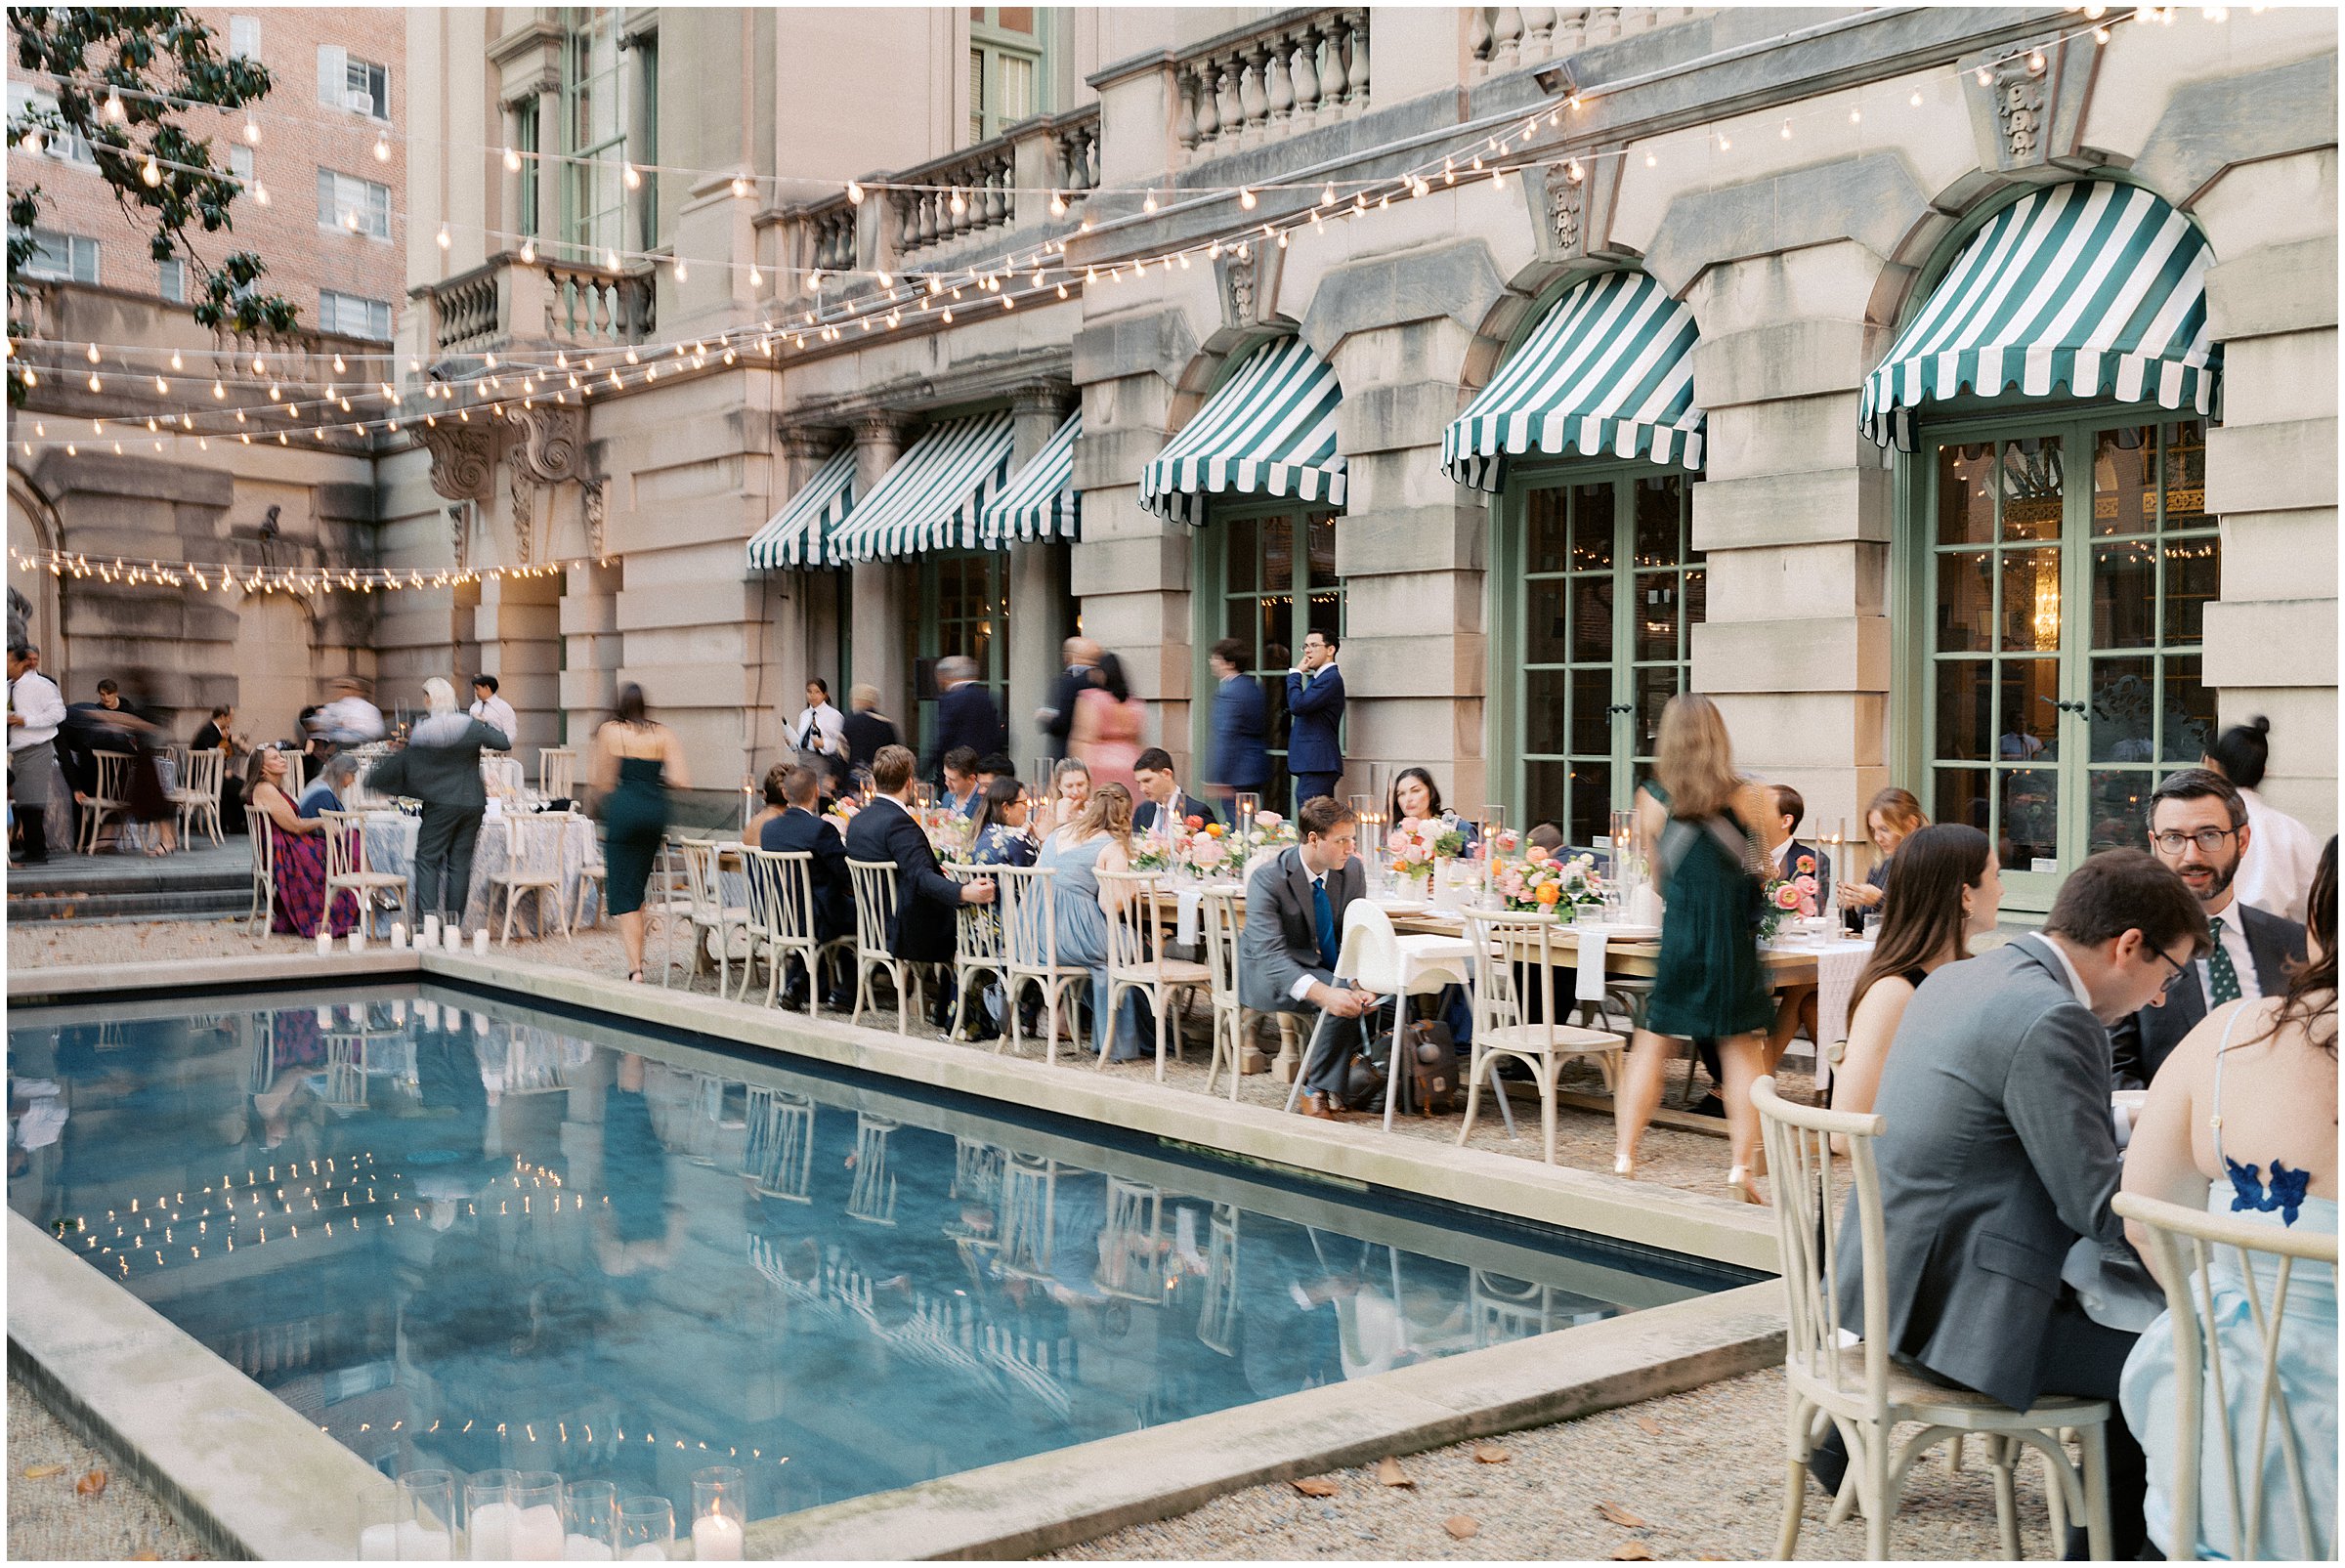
998	832
1097	840
2242	1121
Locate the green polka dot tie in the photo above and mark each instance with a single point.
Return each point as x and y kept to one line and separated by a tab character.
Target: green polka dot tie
2222	979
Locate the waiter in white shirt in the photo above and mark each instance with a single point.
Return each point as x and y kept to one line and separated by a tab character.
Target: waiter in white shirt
35	709
492	710
820	733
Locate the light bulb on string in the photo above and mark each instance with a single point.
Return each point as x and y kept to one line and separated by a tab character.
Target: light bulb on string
382	149
1148	202
252	131
1246	199
632	177
609	259
175	360
1985	77
2035	61
259	193
512	161
153	174
741	186
1058	205
446	239
1786	130
1327	198
855	192
528	249
113	109
1855	116
756	277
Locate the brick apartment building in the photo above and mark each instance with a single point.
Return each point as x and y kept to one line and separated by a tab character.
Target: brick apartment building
331	149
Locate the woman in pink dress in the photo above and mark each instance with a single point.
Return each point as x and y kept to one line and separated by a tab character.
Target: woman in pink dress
1106	734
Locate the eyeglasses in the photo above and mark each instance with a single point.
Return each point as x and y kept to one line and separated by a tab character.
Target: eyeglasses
2176	976
2209	839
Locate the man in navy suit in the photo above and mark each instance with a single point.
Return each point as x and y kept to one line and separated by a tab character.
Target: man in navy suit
801	830
1162	800
1315	720
925	897
965	715
1240	758
2199	826
1078	655
1791	807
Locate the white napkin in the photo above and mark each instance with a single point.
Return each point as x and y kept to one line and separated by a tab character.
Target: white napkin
1591	983
1644	904
1185	931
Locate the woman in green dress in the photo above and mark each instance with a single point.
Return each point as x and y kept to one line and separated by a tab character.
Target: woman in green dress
1695	822
637	761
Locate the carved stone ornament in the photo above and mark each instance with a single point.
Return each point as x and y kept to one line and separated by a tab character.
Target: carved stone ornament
462	457
592	492
459	531
2019	111
1241	289
553	439
1566	200
525	512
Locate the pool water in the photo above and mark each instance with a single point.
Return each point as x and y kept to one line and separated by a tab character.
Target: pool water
460	1233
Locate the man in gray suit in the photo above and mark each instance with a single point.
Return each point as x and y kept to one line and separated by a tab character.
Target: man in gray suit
441	767
1999	1152
2198	826
1294	904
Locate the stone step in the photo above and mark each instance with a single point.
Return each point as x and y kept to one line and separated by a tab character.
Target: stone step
175	902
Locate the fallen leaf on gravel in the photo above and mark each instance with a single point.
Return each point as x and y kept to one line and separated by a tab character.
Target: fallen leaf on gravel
1632	1551
1390	1473
144	1556
89	1485
1313	1486
1649	1426
42	1472
1491	1454
1461	1525
1620	1515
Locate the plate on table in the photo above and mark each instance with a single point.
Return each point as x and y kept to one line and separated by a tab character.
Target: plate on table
1623	931
1401	906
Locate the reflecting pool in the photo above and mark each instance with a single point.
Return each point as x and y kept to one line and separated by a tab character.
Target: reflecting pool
460	1233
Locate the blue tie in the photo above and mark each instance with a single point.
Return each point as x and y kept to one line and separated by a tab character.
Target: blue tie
1326	913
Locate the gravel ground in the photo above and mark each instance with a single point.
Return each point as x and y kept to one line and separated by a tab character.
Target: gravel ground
49	1521
1695	1476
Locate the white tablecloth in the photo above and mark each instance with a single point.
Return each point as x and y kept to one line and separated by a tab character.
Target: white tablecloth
391	847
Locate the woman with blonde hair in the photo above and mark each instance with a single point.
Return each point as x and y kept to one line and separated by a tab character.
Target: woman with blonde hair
1098	839
1891	816
1700	817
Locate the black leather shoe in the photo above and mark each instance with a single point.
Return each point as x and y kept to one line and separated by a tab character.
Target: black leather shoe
840	1001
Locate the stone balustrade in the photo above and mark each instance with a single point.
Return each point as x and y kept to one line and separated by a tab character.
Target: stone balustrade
1243	90
55	317
1508	38
980	189
562	304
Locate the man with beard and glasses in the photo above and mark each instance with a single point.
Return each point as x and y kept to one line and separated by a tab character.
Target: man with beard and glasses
2199	826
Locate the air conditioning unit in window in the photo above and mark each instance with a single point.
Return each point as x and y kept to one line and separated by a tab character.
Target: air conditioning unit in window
359	102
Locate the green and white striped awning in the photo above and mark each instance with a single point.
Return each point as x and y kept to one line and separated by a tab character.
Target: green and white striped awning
1607	372
1042	501
800	534
934	496
2091	287
1268	430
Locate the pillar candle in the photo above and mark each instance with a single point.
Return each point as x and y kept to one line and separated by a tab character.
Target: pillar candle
421	1543
715	1538
491	1527
536	1534
452	939
399	935
648	1551
358	939
584	1548
325	942
378	1543
480	943
431	929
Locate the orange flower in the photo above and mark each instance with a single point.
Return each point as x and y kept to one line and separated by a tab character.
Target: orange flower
1212	830
1548	892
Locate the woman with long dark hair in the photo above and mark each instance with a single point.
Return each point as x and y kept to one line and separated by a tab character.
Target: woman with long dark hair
1108	725
2242	1121
1944	889
637	760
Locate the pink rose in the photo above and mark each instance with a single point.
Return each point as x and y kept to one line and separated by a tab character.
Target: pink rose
1787	897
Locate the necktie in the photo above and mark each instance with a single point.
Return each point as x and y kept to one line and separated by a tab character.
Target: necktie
2223	981
1326	914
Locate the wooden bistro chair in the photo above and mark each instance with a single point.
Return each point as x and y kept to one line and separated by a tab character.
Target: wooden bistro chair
1136	961
1218	913
347	869
976	942
2255	1475
110	796
1849	1381
198	795
533	870
260	835
1511	947
713	919
875	915
557	773
1027	898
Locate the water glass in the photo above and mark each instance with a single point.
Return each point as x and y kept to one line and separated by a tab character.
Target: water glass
489	1515
719	1514
589	1521
536	1498
427	1516
646	1526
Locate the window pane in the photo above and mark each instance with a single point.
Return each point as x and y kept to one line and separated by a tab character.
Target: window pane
1592	618
1966	504
1545	711
1591	802
239	162
2123	700
1964	714
245	37
1015	19
977	95
2116	809
2123	501
1238	555
1654	686
1276	617
1326	613
1591	527
2032	488
2188	719
1657	523
2032	600
2193	580
1546	788
1696	600
2183	467
1966	603
1591	723
1543	515
1961	797
1657	615
1017	90
1320	539
2027	817
2125	594
1278	554
2029	721
1543	621
170	280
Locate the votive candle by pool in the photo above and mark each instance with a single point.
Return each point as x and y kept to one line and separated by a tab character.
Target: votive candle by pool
717	1515
399	936
452	938
358	939
325	942
480	943
430	933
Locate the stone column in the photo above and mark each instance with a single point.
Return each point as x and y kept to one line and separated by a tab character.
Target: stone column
878	591
1038	621
510	182
789	643
519	623
591	651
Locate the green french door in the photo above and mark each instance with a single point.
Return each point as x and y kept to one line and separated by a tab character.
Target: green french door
2058	573
964	608
1596	594
1267	579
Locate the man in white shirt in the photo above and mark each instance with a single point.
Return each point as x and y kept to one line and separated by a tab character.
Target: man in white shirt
492	710
2200	827
350	719
35	709
821	731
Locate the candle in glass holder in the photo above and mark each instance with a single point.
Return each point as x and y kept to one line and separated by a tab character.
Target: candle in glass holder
451	938
480	943
536	1534
325	942
589	1516
399	936
646	1525
717	1514
358	939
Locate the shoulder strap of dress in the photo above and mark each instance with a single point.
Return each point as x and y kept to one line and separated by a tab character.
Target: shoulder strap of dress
2214	1117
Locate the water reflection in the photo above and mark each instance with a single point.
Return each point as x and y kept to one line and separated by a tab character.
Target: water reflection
466	1239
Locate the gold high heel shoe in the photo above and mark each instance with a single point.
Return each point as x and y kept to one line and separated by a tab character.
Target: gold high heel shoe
1741	1187
1624	1168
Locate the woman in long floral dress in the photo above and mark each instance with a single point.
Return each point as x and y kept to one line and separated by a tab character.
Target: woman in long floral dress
298	846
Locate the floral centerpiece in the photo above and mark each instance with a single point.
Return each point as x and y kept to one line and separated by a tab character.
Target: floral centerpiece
842	811
1417	846
950	835
1794	895
1541	881
1193	845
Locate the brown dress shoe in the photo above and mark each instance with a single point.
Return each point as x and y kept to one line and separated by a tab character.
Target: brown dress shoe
1318	1106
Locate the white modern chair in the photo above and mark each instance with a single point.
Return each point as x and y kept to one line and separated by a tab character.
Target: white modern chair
1506	947
1136	961
1027	896
713	919
2257	1475
976	940
1374	957
875	913
1848	1382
